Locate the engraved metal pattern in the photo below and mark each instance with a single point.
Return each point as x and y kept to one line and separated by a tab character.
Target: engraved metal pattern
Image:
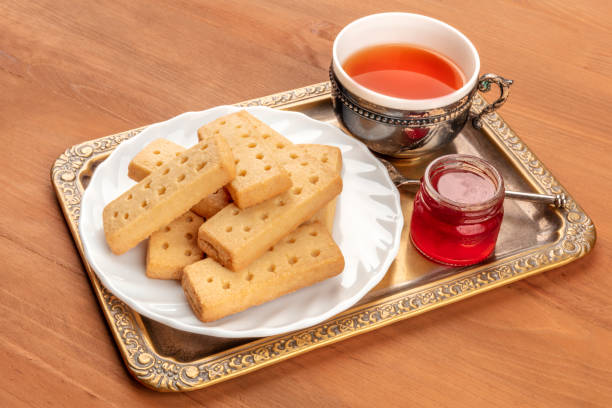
286	98
73	161
377	113
399	133
484	85
577	238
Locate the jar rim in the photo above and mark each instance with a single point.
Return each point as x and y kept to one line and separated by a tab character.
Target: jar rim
478	163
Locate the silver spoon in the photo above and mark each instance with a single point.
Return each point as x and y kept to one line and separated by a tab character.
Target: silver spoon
556	200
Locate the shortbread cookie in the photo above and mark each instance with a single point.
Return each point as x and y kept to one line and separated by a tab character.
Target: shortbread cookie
236	237
159	151
212	203
304	257
331	157
328	155
173	247
270	136
258	175
167	193
154	155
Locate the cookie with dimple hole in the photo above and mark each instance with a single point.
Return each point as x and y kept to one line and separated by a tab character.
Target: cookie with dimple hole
154	155
328	155
212	203
236	237
158	152
258	174
173	247
306	256
331	157
167	193
271	137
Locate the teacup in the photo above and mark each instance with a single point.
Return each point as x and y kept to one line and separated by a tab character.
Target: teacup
408	127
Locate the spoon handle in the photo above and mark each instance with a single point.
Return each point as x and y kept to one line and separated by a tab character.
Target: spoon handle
556	200
401	182
407	183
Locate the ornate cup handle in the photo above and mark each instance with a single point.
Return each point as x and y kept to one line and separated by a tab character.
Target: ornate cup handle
484	85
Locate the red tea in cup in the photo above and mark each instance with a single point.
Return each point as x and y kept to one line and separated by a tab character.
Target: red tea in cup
404	71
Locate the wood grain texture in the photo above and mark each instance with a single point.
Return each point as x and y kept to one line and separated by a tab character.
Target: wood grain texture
72	71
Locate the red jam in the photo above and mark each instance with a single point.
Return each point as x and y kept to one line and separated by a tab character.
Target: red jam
458	210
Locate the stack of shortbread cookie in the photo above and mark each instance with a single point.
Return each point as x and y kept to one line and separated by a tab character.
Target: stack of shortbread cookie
258	208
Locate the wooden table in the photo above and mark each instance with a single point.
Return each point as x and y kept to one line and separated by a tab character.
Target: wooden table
72	71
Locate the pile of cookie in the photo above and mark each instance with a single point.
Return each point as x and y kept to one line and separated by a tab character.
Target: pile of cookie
241	218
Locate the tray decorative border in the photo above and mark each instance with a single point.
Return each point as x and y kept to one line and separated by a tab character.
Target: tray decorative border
577	238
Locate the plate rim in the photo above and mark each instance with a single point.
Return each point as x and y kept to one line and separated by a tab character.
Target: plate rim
256	332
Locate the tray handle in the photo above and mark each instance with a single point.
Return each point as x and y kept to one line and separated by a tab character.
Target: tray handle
484	85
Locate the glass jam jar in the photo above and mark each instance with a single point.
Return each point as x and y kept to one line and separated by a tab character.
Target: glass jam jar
458	210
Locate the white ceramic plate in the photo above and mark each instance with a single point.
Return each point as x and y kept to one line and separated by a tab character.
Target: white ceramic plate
367	228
